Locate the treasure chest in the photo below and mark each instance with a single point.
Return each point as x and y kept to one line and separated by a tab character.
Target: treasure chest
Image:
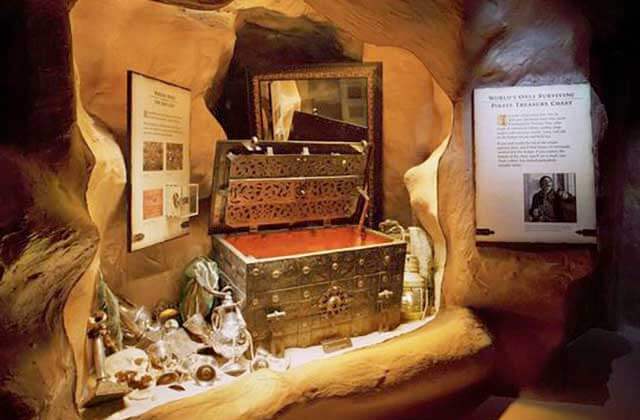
288	238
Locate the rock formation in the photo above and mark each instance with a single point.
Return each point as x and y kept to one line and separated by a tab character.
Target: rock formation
295	37
151	38
194	53
501	43
198	4
57	231
47	239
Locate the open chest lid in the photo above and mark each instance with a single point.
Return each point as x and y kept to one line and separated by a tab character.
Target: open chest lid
259	184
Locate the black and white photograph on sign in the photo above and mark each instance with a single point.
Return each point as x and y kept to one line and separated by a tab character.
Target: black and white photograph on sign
533	164
550	198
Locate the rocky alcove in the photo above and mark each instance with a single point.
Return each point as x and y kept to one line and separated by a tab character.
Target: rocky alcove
505	311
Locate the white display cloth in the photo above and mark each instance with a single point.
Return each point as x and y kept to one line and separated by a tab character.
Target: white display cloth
298	356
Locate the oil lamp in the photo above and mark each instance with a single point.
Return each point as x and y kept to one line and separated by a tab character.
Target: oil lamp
230	336
413	291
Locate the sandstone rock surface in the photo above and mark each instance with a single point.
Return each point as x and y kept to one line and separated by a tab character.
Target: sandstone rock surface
528	288
288	33
47	239
416	116
166	42
501	43
50	230
432	30
198	4
151	38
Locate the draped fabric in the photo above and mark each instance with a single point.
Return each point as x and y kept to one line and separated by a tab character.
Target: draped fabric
199	278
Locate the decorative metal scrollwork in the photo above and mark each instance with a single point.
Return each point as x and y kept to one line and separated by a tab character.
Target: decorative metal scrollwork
263	214
285	191
260	202
334	301
288	166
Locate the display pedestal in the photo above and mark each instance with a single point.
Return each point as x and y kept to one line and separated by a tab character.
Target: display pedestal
448	355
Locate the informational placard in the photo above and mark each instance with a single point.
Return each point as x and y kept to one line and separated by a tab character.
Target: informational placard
534	169
159	115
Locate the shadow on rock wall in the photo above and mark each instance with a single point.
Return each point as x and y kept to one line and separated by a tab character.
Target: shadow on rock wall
47	239
501	44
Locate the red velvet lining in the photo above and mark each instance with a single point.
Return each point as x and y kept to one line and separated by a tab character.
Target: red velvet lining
293	242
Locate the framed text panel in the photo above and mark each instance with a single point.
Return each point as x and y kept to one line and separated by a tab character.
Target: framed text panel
159	116
534	168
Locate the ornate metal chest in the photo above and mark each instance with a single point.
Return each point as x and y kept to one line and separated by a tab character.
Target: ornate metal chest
314	275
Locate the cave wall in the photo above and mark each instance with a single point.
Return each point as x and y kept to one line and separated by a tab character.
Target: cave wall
412	117
535	297
167	43
222	47
286	37
615	63
539	294
49	235
416	117
47	239
102	57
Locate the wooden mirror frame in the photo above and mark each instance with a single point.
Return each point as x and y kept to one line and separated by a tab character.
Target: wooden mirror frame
373	73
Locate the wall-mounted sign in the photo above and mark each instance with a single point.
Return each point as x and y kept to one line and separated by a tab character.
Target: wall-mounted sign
160	197
534	169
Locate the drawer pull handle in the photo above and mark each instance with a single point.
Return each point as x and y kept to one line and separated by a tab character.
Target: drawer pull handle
276	315
385	294
334	266
276	274
306	270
